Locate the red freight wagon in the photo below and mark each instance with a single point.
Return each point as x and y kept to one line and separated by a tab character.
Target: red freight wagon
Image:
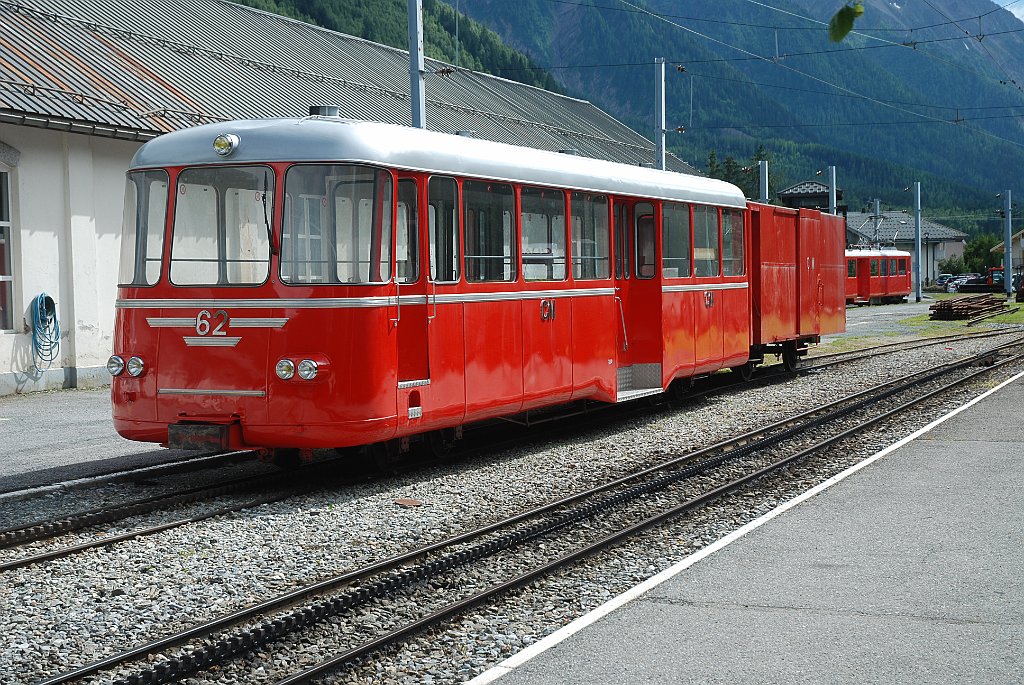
874	276
305	283
796	279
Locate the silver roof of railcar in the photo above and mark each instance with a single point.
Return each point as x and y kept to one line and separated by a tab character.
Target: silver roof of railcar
331	139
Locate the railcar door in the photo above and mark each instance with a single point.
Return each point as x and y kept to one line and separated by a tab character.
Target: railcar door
410	317
638	288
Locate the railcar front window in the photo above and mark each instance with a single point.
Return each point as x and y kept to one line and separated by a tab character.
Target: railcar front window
705	241
221	233
675	240
142	233
542	217
337	225
733	263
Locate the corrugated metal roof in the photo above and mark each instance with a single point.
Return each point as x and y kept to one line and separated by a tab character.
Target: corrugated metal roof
136	69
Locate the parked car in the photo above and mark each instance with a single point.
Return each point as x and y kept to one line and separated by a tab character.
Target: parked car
953	284
942	279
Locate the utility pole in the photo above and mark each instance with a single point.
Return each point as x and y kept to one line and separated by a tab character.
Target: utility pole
878	220
659	112
416	68
917	241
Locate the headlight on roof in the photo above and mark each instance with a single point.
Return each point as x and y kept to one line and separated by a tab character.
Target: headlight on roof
225	144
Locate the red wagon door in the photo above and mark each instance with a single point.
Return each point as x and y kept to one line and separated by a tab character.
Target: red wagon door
410	311
810	245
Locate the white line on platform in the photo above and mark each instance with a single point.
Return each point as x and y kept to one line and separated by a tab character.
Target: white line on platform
593	616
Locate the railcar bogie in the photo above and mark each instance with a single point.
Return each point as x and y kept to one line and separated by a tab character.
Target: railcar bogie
329	283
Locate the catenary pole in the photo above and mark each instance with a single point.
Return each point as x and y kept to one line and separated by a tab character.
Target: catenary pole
917	241
1008	247
659	111
416	68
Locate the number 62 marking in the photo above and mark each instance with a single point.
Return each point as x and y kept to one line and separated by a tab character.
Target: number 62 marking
205	322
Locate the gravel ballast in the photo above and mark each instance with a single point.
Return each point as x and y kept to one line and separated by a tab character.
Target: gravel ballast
71	611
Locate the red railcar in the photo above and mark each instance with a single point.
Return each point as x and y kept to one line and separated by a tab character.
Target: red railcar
306	283
876	276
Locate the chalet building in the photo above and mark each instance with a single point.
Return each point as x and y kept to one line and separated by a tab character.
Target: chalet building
1017	243
84	84
810	195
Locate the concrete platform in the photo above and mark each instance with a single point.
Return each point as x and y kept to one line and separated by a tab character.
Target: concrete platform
909	570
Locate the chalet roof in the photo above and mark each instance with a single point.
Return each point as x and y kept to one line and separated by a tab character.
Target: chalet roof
1013	238
899	227
807	188
134	69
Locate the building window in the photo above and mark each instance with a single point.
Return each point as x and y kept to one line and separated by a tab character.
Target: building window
6	274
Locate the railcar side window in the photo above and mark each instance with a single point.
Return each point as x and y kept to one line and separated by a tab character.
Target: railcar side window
646	260
589	236
621	241
407	227
488	211
874	267
675	240
221	233
443	222
733	262
142	235
705	241
903	267
337	225
851	268
892	267
885	267
542	217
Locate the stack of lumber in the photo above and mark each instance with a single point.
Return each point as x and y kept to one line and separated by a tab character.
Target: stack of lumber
968	307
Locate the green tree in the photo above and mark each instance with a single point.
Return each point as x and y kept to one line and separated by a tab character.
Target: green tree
714	169
953	265
978	254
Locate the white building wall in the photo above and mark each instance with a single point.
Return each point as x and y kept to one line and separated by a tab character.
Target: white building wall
67	191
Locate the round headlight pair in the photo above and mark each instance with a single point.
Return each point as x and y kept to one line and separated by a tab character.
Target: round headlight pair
116	366
307	369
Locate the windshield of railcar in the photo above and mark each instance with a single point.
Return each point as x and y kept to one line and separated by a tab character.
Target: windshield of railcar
142	233
221	233
337	225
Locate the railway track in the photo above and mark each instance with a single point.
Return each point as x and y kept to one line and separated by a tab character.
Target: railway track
284	485
680	485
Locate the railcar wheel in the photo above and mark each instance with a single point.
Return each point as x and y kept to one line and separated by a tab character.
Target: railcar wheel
790	356
746	371
385	455
286	458
442	444
679	389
